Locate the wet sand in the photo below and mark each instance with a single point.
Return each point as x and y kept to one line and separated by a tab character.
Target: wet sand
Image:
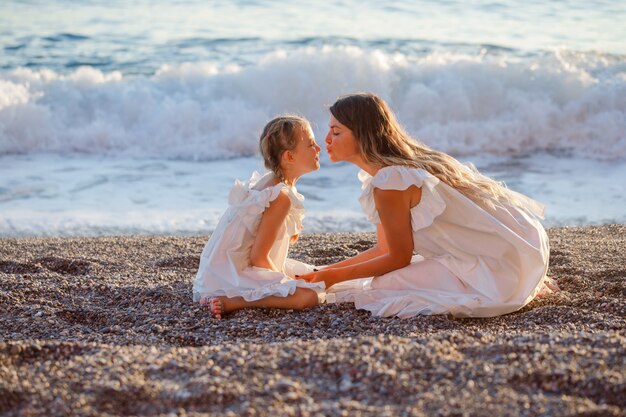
106	326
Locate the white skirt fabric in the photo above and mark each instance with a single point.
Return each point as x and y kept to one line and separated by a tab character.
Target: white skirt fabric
225	268
472	262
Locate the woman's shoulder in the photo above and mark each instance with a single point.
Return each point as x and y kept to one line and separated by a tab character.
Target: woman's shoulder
396	177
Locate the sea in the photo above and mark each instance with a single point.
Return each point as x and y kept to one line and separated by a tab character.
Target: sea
136	116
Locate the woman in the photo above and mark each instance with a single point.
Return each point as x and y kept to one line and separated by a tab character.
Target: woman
449	239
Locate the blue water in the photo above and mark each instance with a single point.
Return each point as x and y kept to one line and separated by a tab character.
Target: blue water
135	117
138	37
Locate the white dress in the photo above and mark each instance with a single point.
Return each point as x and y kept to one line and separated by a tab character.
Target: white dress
467	261
225	268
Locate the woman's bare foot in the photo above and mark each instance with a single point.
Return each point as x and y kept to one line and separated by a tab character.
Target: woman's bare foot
549	286
552	284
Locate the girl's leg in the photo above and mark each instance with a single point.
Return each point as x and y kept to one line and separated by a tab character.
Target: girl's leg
302	298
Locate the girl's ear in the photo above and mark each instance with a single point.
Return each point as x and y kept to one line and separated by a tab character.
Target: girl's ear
287	156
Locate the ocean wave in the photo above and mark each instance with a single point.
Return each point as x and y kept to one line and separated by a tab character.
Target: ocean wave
465	104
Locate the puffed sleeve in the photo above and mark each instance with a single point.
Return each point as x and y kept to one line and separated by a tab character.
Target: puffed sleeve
249	204
400	178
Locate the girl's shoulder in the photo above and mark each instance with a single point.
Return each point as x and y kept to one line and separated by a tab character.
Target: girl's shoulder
283	199
256	190
296	199
263	189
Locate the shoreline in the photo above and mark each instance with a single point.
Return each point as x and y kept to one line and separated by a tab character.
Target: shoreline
106	325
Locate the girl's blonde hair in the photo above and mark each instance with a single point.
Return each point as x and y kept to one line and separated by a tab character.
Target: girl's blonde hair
278	136
383	142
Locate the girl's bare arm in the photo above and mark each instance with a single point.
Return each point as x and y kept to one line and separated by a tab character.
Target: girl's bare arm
271	222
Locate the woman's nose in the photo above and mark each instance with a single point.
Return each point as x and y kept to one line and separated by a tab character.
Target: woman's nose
327	139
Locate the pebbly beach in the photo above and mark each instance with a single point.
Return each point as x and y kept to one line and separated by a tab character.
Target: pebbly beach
129	130
107	326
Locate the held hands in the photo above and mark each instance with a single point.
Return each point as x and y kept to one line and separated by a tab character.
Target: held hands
328	276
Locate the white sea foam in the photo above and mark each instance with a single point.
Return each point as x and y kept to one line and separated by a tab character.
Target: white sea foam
463	104
50	195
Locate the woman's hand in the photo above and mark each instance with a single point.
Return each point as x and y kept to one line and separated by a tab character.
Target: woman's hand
328	276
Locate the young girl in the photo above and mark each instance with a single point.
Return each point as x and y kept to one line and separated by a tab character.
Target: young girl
450	240
244	264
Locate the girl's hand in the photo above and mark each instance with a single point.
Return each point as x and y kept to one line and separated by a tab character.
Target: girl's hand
328	276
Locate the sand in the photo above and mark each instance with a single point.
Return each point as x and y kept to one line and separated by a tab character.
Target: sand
106	326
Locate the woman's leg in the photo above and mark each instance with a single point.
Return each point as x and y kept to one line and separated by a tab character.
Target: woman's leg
302	298
425	274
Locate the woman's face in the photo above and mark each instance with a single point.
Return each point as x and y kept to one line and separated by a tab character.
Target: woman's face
341	144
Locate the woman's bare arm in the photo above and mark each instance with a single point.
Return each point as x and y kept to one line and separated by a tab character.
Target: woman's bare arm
393	208
379	249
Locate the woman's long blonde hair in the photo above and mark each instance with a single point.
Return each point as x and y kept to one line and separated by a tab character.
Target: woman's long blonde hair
383	142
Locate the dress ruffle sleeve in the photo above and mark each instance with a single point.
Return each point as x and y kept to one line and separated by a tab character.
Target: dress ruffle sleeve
251	203
400	178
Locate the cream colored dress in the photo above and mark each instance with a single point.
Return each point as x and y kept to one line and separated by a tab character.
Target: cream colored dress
467	261
225	268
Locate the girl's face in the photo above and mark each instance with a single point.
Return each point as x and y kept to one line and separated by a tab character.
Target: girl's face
306	153
341	144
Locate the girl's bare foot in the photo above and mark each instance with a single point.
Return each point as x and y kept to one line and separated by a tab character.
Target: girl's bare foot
219	306
215	304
